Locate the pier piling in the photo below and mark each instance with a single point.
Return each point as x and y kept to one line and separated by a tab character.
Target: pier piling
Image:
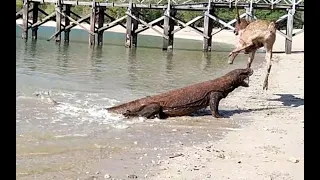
168	27
35	10
92	23
67	12
101	11
58	21
128	39
25	17
207	28
289	31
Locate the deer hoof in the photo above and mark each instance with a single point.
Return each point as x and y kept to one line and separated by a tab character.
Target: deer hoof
230	61
265	85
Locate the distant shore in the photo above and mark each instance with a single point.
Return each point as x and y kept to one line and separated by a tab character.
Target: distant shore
225	36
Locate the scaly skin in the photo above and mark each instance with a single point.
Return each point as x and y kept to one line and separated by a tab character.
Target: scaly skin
186	100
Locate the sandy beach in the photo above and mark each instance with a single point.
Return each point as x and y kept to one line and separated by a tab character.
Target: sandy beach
268	147
271	147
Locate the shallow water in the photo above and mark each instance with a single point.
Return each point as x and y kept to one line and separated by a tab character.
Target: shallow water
78	135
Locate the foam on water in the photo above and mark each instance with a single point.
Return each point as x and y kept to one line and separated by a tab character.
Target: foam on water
82	109
73	109
71	135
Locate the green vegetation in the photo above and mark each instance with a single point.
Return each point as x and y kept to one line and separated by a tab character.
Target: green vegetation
148	15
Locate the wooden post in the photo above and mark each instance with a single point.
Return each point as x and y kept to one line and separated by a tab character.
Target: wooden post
92	23
135	24
58	20
168	27
35	20
67	11
100	24
25	19
208	25
288	43
249	11
249	14
128	39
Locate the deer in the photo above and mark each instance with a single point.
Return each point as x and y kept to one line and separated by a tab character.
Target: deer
252	35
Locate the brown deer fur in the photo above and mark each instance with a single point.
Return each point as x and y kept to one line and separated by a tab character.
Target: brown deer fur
252	36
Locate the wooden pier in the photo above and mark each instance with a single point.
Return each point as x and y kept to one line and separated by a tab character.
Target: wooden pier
96	18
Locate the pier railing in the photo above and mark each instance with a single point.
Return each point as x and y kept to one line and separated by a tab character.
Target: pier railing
96	18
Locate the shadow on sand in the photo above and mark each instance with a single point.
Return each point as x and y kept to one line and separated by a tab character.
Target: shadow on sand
229	113
287	100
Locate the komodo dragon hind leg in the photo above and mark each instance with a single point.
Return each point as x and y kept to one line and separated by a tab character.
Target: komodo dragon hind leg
149	111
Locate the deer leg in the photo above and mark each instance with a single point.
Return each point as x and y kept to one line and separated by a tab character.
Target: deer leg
233	56
214	100
236	51
251	57
268	59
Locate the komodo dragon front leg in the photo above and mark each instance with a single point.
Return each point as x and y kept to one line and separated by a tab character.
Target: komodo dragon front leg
214	99
148	111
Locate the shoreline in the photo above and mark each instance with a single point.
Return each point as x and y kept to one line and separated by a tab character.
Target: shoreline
224	36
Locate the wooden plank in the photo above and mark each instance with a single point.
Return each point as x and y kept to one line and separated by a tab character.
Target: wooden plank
86	20
146	24
188	23
152	23
35	20
288	42
43	12
67	23
58	21
112	24
113	19
19	12
92	23
77	23
230	22
283	34
54	34
44	20
73	24
282	18
219	21
25	17
190	27
299	32
18	16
